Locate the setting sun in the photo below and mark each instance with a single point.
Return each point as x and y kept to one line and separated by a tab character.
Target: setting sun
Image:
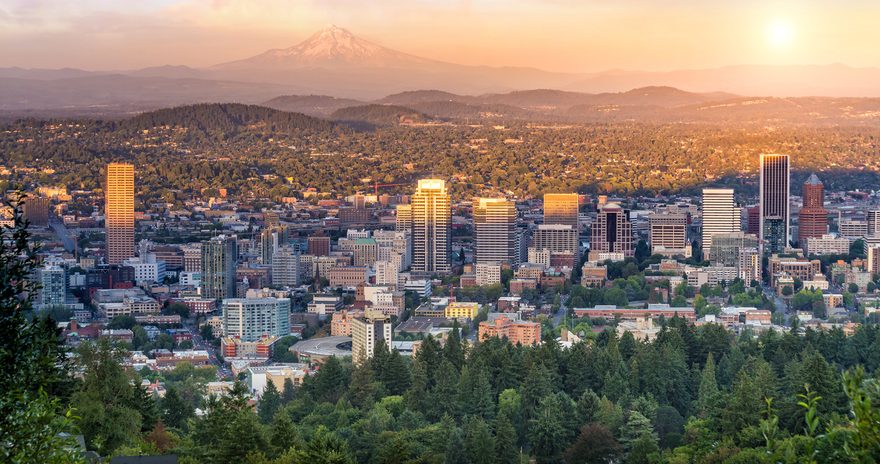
780	33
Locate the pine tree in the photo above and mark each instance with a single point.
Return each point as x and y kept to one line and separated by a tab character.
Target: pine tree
506	446
288	392
282	434
478	443
545	430
416	397
270	402
453	351
362	390
175	411
708	392
636	427
444	395
395	375
455	452
587	407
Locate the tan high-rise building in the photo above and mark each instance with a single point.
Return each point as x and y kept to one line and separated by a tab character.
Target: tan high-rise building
495	230
366	334
431	222
561	208
119	212
404	218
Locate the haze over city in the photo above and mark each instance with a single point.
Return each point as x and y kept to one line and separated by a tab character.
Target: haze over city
458	232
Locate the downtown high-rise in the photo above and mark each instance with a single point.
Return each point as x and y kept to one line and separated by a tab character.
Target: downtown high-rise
495	231
119	212
431	221
561	208
774	201
219	258
612	232
813	217
720	216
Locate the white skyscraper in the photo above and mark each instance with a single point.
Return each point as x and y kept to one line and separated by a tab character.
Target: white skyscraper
431	220
720	215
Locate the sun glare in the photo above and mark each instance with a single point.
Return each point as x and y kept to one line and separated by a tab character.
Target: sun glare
780	33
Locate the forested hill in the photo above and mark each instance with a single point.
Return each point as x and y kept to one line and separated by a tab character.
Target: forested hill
226	118
370	116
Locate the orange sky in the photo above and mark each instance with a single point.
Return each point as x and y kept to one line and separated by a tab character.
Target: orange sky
560	35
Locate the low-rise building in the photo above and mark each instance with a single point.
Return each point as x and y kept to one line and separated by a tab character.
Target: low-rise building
517	332
461	310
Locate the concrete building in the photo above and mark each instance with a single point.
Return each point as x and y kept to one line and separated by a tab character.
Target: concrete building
324	304
774	196
495	231
560	240
366	335
251	319
720	216
461	310
852	228
487	274
147	269
285	267
517	332
431	222
347	276
668	233
827	244
119	212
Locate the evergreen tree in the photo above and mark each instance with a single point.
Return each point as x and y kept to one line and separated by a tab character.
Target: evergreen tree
362	390
326	448
33	426
395	375
107	400
455	452
282	433
175	411
478	442
444	395
416	396
269	403
587	407
637	425
546	429
708	392
453	351
506	441
288	392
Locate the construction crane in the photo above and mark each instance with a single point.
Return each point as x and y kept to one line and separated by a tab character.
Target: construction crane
377	185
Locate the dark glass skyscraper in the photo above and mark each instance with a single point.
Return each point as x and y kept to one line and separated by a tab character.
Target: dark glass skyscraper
775	190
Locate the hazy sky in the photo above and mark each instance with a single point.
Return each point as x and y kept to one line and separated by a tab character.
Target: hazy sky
561	35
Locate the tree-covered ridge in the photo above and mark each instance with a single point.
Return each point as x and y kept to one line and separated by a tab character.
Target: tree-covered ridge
176	163
369	116
225	118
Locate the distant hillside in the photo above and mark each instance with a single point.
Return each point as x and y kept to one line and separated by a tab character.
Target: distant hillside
226	118
371	116
546	99
313	105
457	110
423	96
662	96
